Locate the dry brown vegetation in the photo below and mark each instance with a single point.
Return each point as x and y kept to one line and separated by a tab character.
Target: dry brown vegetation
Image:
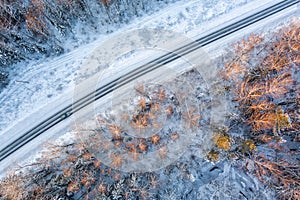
263	77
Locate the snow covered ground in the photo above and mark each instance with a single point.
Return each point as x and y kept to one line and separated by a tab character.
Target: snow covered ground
39	84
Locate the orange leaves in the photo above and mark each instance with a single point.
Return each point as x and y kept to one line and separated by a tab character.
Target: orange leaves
102	188
247	92
140	122
87	156
281	172
222	141
145	120
291	32
117	160
97	163
233	70
261	106
115	130
213	156
142	145
262	121
133	151
268	119
72	158
255	39
244	46
73	187
296	59
191	118
155	139
147	108
85	182
12	187
68	172
278	86
265	82
35	18
160	94
169	111
112	137
255	91
254	97
295	46
248	146
142	103
265	138
282	119
33	23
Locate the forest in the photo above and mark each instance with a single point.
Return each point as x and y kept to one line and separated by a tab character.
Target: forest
33	29
260	75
